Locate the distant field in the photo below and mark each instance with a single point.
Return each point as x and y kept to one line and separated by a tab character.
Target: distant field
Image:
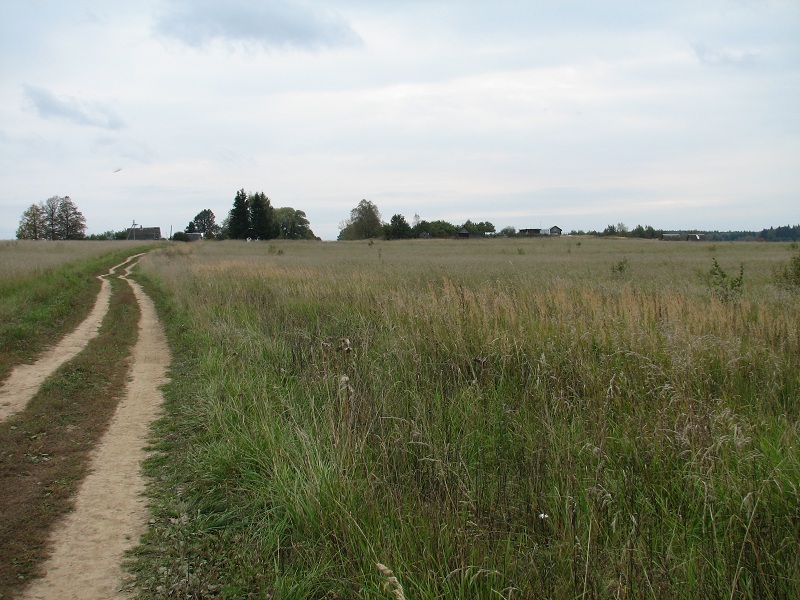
517	418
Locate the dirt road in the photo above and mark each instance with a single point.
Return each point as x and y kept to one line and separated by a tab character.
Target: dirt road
25	380
110	512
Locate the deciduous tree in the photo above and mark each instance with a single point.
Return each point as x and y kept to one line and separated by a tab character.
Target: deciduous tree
293	224
364	223
71	224
31	225
204	222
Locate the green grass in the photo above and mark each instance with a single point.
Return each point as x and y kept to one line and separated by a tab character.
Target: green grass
509	418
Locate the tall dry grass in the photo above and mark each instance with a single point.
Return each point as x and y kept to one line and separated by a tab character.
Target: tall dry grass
522	418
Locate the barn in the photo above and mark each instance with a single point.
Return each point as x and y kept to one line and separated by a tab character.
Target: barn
143	233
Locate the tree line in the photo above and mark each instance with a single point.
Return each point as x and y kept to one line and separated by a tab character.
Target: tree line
251	217
365	223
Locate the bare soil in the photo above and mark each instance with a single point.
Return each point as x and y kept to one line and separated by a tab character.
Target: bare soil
110	512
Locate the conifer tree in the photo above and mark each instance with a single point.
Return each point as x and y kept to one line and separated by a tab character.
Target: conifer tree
239	217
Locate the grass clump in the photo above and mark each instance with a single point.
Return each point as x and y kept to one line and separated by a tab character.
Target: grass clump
484	421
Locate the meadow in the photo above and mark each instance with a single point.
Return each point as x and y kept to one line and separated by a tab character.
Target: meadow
518	418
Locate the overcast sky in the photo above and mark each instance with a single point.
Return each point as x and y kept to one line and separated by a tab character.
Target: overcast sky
577	114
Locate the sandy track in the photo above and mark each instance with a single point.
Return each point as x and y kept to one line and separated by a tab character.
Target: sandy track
110	512
25	380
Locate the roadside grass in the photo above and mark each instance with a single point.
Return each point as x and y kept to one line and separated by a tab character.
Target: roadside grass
504	418
46	290
44	449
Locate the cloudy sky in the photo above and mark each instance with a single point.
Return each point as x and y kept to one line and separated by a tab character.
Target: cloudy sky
677	114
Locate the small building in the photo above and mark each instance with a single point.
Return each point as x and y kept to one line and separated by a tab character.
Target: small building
463	233
194	237
555	230
671	237
144	233
695	237
529	231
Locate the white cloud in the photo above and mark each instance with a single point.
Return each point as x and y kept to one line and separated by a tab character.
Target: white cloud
273	24
79	112
455	109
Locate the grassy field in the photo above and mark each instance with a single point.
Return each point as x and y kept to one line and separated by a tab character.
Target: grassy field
521	418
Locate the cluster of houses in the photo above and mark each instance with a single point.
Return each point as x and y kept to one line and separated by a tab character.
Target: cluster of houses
554	230
683	237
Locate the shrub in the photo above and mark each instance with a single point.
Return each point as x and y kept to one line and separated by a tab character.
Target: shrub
724	287
180	236
787	275
620	268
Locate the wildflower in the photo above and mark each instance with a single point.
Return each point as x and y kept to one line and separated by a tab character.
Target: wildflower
544	516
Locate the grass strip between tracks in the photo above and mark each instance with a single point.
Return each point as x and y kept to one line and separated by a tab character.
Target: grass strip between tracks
45	449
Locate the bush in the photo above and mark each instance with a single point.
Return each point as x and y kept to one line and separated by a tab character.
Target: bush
724	287
180	236
788	275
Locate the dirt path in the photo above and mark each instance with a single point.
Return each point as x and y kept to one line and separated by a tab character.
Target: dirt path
110	512
25	380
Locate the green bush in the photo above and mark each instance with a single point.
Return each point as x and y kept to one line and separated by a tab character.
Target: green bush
724	287
788	275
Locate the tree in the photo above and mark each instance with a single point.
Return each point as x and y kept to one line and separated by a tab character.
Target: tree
239	217
204	222
481	228
50	215
436	229
398	228
71	224
262	217
364	223
293	224
508	231
31	225
56	218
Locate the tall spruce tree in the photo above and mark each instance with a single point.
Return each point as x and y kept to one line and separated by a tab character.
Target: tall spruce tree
263	223
239	217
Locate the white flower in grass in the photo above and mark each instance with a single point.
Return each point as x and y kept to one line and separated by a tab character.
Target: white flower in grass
544	516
